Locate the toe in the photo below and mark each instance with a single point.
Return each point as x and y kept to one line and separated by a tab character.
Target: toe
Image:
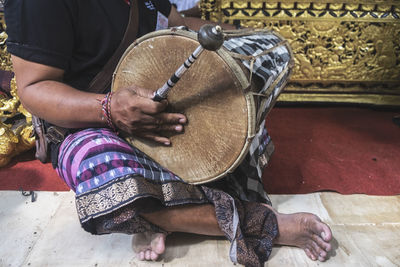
320	258
147	254
309	254
141	255
158	244
319	252
323	231
153	256
320	242
313	252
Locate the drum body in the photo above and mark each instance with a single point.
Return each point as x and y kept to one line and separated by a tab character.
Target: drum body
215	94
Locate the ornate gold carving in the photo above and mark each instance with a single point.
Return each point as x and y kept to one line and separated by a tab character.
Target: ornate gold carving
341	47
369	99
15	121
343	51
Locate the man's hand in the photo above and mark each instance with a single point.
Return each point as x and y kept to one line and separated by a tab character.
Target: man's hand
134	112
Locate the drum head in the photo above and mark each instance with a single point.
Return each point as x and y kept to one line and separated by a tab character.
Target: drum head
209	94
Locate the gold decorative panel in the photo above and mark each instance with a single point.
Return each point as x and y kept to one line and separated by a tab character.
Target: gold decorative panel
15	122
345	51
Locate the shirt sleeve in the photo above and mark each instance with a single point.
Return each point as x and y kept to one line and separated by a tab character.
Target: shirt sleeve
40	31
163	6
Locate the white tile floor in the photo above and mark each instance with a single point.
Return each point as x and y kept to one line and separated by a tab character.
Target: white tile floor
47	233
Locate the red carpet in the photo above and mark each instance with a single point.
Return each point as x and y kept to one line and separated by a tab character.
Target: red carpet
348	150
26	173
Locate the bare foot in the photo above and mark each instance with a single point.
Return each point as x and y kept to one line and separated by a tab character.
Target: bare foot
148	245
306	231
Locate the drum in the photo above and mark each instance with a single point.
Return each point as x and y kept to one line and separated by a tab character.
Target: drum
225	95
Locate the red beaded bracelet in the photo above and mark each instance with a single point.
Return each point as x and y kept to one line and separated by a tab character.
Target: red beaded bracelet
106	108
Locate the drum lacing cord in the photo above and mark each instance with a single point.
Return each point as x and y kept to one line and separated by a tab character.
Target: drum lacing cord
267	93
253	58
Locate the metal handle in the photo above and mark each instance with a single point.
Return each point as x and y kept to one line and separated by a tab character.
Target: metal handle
210	38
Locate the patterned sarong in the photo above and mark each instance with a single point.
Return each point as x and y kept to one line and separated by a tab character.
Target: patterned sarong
93	157
115	182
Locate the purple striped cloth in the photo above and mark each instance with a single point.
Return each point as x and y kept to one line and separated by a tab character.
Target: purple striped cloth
93	157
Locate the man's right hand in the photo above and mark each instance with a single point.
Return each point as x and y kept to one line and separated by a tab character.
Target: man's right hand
134	112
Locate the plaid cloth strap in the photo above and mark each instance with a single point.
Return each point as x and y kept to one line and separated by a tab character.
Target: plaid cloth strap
266	55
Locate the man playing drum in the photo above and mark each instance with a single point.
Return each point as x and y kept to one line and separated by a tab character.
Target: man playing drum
57	47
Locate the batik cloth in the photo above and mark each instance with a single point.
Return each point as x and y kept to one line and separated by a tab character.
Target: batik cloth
115	182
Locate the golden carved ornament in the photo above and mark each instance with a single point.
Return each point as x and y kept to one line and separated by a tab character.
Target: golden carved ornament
345	51
15	121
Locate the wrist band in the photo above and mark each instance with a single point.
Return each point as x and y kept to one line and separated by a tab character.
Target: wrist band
106	108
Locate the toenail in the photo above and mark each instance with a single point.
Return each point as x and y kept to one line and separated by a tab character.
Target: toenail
323	235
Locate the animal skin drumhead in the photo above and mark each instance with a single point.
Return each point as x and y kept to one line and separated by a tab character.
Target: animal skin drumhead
209	95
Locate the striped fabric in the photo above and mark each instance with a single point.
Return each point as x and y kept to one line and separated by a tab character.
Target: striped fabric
93	157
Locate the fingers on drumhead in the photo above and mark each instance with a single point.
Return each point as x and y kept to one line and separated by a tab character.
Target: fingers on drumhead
172	118
157	138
